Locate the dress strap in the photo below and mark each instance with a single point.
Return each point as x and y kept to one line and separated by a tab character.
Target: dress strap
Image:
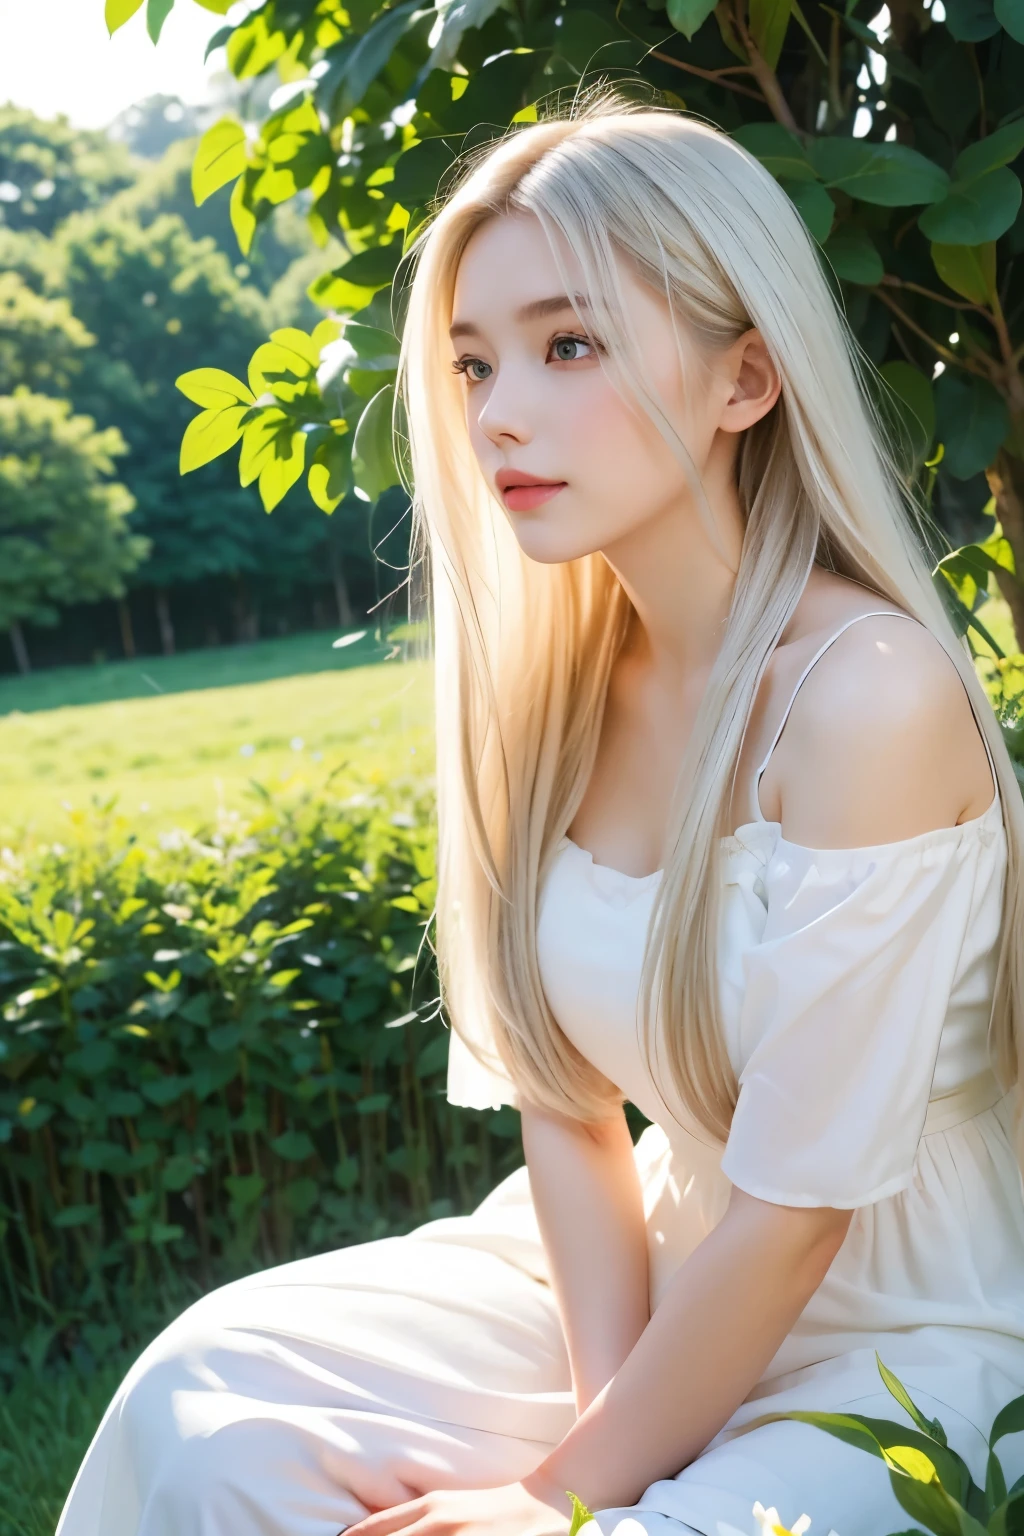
886	613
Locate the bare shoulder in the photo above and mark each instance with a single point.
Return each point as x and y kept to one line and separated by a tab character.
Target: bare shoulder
881	743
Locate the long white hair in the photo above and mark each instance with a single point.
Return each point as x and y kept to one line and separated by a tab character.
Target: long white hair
524	650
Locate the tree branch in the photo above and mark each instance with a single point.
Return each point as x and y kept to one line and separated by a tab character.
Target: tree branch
714	75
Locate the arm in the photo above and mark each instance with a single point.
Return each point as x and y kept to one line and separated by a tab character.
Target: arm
589	1206
727	1310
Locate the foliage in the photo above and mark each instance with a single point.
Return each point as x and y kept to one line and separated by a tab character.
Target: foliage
49	170
41	341
894	132
62	518
218	1052
932	1483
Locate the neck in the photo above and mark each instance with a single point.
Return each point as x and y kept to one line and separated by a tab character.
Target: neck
679	575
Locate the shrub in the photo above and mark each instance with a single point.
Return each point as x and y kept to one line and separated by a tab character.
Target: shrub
212	1058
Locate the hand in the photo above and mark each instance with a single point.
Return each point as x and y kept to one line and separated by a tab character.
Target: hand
505	1511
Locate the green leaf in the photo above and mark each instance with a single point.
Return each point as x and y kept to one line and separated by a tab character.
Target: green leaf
157	12
76	1215
971	21
373	461
778	150
212	388
972	420
888	174
418	172
178	1172
815	206
975	211
330	474
580	1513
245	1189
688	16
283	466
117	12
999	148
995	1482
915	408
892	1382
854	256
769	20
243	220
352	67
969	270
1008	1421
208	435
219	158
293	1146
258	439
1010	16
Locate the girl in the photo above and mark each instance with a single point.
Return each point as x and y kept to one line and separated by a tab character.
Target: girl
728	829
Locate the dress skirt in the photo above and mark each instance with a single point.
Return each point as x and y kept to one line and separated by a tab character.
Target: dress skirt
298	1400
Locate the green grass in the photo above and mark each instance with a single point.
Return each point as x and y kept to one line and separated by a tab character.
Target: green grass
45	1430
177	748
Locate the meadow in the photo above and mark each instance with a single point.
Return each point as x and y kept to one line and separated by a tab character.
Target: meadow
176	738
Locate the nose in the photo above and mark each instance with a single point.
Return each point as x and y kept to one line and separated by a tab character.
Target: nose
503	415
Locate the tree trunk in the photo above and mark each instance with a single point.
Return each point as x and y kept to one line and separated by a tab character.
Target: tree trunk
20	648
124	616
163	619
246	613
346	618
1006	482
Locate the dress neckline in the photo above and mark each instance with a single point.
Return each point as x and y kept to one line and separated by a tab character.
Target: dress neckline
736	840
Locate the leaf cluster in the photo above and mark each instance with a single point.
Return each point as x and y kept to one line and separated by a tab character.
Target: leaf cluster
930	1480
219	1051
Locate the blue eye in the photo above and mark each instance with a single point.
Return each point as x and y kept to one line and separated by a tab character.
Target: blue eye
465	364
569	343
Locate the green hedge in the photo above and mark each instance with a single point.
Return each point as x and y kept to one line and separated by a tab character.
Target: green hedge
216	1053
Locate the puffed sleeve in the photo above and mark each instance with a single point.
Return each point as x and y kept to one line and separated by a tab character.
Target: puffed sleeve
473	1085
841	1013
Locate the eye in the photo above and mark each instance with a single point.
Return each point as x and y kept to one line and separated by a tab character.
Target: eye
566	348
466	365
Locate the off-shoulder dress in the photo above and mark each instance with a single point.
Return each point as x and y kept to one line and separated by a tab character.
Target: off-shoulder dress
856	990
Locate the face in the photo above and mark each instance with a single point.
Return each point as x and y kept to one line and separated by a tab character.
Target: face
573	463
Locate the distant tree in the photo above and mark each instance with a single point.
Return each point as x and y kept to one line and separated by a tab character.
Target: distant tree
48	169
63	520
41	341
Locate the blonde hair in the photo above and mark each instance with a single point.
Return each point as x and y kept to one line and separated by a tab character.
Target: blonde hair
524	650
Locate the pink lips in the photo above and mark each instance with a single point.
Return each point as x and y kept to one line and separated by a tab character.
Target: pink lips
523	498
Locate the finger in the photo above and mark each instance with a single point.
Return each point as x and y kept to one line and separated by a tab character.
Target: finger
400	1517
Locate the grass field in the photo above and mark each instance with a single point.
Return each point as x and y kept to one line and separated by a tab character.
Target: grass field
176	738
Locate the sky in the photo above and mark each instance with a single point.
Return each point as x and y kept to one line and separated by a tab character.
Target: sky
55	56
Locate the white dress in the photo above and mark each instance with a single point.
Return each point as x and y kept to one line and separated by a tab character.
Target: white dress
856	988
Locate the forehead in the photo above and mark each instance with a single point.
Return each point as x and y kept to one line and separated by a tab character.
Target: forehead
507	263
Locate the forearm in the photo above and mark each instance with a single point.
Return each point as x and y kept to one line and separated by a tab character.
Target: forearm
589	1206
724	1316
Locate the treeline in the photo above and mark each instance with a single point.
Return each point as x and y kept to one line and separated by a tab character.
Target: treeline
112	283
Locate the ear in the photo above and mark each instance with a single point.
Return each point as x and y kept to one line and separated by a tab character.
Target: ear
756	382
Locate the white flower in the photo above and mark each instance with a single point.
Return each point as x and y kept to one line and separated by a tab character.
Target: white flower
771	1525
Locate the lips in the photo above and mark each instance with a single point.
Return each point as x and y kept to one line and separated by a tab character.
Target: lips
522	492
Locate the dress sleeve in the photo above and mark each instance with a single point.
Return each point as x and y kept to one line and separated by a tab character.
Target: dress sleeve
473	1085
844	1000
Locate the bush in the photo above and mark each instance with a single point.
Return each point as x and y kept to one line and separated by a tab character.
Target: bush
211	1058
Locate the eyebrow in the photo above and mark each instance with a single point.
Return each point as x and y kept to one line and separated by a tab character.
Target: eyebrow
535	310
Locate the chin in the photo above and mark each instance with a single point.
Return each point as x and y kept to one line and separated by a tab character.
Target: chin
551	546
